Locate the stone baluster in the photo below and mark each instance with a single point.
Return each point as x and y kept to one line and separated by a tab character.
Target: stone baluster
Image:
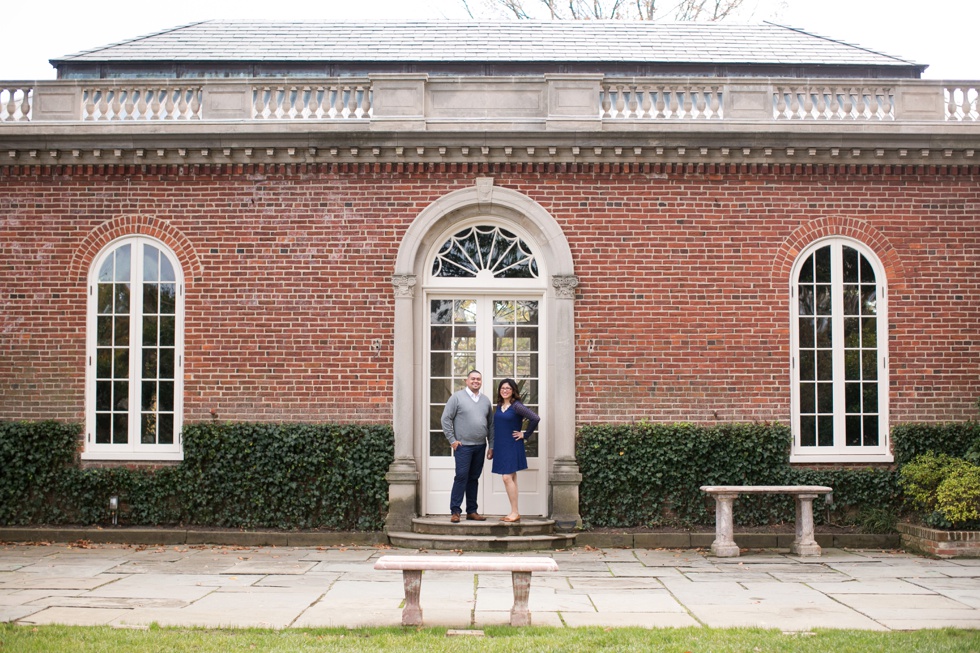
834	103
620	101
807	103
874	108
196	103
114	104
688	103
141	105
701	104
780	102
155	103
716	103
606	101
647	104
88	104
674	105
794	103
102	107
352	101
312	105
821	96
366	101
168	105
849	103
634	103
887	104
661	103
952	105
338	106
182	103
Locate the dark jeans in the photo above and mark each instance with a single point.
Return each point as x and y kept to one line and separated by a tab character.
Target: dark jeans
469	465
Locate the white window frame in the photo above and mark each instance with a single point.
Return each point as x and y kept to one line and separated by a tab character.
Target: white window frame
133	449
839	452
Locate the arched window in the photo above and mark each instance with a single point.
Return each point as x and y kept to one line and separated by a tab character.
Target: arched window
485	250
839	354
135	353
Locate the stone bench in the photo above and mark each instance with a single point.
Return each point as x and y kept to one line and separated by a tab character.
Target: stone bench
520	568
803	544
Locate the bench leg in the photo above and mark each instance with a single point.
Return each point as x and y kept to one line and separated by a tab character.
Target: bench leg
724	545
804	544
520	615
412	614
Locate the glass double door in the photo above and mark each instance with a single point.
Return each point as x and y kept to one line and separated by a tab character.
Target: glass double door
499	337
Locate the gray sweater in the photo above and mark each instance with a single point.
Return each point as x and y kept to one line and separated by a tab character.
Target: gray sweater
468	421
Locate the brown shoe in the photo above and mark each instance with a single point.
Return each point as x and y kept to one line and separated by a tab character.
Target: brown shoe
475	516
455	518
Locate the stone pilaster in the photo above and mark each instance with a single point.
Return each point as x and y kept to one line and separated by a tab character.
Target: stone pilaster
403	475
565	476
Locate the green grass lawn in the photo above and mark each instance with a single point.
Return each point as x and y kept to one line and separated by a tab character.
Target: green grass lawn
48	639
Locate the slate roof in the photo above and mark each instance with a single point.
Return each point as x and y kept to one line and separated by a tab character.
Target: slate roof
507	41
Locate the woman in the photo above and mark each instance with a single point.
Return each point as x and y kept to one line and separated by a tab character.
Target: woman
509	456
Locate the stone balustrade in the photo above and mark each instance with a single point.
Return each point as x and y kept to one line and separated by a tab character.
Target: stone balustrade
575	102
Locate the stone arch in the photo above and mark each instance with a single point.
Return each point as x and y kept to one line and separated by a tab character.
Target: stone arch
853	228
503	206
135	225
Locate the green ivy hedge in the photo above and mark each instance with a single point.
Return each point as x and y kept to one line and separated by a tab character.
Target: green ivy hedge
955	439
652	474
241	475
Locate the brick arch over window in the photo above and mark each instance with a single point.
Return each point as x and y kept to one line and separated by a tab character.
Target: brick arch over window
853	228
500	206
135	225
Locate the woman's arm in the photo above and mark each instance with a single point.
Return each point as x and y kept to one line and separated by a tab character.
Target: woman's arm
526	413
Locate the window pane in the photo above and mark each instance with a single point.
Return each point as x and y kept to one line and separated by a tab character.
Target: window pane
869	332
825	365
121	331
151	299
438	445
167	274
103	330
464	338
870	365
806	332
867	272
123	256
850	263
462	365
808	398
166	396
504	312
149	363
121	291
527	312
166	426
168	330
435	417
151	264
120	428
105	298
103	395
439	364
824	300
168	299
148	428
853	436
825	431
105	272
852	332
807	301
808	431
822	264
120	363
852	397
103	366
464	311
871	397
806	271
120	395
149	396
825	335
871	431
852	365
825	398
166	363
808	369
150	336
103	428
441	311
440	390
503	365
852	300
441	338
869	300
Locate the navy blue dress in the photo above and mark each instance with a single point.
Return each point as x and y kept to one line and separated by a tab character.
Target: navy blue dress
508	454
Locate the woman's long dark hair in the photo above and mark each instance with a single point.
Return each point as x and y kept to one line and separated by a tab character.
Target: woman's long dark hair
513	386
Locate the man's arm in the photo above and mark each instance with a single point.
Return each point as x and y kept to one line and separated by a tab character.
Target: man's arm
448	415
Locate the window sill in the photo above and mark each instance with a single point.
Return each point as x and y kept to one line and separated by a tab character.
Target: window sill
134	456
827	457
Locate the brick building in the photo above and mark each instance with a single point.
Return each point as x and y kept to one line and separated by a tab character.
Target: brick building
335	222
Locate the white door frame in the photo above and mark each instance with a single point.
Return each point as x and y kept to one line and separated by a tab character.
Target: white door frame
520	214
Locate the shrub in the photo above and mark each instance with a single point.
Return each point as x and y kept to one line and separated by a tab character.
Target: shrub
922	477
958	496
954	439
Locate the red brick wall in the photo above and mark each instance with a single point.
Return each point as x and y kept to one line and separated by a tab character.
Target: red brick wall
683	298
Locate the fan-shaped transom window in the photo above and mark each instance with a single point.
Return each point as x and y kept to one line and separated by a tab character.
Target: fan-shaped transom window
485	251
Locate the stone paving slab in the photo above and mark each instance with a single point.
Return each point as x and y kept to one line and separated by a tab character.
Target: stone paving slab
281	587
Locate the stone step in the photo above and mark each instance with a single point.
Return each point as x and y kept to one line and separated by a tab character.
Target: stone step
440	525
463	542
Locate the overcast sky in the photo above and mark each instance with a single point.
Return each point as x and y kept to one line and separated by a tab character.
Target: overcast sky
941	33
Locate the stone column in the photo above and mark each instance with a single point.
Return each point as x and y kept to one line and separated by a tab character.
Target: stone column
805	544
565	476
520	614
724	545
403	475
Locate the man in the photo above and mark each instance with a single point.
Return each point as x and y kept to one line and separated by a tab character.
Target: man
467	422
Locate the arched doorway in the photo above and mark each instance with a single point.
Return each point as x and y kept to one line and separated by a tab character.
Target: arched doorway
432	305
